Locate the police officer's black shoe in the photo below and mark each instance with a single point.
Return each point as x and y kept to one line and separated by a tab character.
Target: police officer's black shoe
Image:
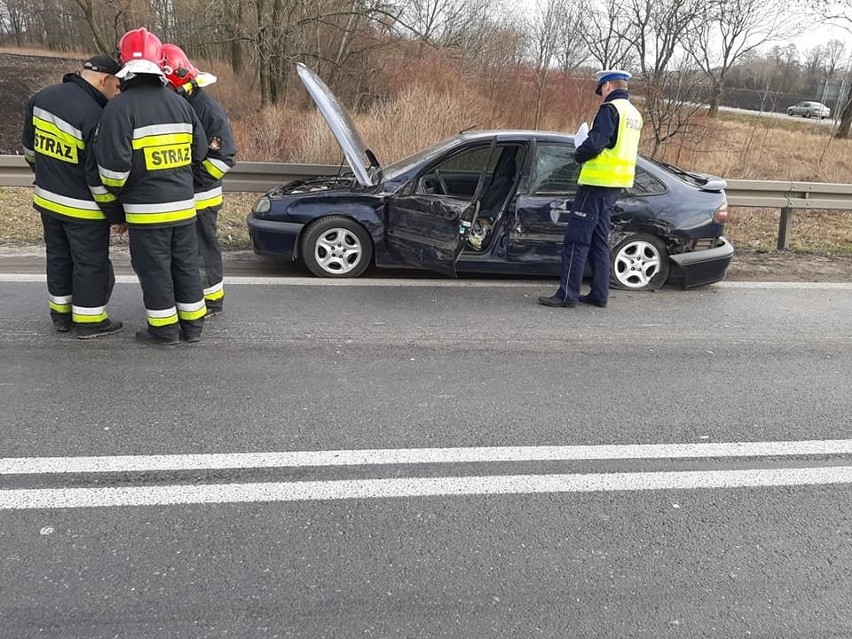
555	300
147	337
62	325
107	327
588	299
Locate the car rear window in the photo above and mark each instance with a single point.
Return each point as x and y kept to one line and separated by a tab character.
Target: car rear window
695	179
645	184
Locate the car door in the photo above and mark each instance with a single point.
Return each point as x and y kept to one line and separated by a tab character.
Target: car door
541	209
428	222
542	212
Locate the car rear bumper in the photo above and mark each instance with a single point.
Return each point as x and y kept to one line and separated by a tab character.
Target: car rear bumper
269	237
704	267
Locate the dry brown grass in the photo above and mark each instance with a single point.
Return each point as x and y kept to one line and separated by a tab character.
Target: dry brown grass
821	232
20	224
415	119
766	148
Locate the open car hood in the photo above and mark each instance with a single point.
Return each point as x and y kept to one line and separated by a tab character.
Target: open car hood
359	157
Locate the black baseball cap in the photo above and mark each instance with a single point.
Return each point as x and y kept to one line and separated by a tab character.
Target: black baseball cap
102	64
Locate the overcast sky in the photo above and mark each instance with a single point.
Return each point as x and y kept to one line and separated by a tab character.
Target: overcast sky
815	35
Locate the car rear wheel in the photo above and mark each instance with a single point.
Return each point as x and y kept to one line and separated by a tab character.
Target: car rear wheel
790	112
807	114
336	246
639	263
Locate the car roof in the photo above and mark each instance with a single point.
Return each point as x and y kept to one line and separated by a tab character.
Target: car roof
515	134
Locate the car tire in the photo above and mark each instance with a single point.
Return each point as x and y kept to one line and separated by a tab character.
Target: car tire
639	263
336	246
790	113
808	114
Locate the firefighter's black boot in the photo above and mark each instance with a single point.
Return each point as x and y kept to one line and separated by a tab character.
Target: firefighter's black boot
107	327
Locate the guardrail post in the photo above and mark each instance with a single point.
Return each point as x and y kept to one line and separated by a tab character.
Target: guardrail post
784	228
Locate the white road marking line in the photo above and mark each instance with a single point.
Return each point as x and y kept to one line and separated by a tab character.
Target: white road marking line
436	283
824	286
370	457
417	487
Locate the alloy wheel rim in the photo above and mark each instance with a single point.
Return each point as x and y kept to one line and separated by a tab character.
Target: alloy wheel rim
338	251
636	264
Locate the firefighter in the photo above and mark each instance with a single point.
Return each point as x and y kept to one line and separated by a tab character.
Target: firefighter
185	79
608	158
76	210
146	144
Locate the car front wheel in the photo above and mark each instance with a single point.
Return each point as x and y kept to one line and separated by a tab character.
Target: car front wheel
336	246
789	112
639	263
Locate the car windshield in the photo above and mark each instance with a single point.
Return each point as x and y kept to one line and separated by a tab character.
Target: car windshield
391	171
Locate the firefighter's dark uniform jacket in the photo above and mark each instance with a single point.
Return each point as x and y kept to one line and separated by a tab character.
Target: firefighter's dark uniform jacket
146	144
148	140
221	149
59	126
221	152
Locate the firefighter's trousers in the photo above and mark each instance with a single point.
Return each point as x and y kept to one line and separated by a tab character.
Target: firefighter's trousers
80	278
166	261
210	254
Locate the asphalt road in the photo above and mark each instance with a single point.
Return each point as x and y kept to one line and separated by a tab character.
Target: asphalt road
410	457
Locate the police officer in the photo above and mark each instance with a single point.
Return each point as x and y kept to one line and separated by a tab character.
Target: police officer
147	141
75	208
608	158
185	79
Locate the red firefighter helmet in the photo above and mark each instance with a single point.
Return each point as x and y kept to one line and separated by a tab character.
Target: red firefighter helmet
177	67
140	51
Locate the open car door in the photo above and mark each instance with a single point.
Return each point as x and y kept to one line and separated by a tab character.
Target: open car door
428	231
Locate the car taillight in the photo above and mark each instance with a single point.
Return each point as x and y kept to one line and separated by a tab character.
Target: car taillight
721	214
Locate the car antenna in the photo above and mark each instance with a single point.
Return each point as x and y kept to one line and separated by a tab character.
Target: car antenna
470	128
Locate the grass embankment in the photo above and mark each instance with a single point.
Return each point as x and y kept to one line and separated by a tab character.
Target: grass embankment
20	224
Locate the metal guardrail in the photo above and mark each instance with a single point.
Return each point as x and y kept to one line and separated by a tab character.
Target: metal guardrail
258	177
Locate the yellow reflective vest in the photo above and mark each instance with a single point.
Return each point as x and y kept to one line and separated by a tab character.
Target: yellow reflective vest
616	167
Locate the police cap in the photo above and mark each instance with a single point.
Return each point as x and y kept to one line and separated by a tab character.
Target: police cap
607	75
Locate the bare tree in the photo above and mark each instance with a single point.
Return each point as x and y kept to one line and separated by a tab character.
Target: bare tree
88	9
839	12
834	52
15	12
546	28
659	32
603	29
438	23
726	30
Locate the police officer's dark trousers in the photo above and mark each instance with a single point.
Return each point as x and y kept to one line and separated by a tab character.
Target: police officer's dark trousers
80	277
210	254
587	237
166	262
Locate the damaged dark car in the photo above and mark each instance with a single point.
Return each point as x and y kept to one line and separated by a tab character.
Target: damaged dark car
486	202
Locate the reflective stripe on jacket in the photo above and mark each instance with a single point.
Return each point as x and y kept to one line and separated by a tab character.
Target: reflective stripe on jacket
147	143
616	167
59	127
221	149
